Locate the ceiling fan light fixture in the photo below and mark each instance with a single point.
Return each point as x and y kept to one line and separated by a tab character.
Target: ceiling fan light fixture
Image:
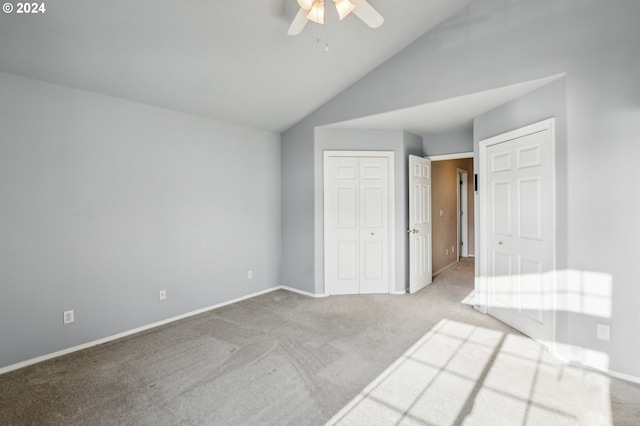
316	14
316	11
305	4
344	8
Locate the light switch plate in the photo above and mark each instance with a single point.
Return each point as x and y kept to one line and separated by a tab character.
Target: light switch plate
604	332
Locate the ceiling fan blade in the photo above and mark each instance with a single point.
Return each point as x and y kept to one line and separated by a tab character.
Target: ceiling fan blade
367	13
298	23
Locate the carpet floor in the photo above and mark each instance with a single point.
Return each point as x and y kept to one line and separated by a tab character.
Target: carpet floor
286	359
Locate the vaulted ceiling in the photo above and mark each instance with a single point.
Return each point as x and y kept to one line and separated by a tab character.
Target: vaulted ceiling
228	60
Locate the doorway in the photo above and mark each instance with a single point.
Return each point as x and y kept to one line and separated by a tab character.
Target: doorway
452	209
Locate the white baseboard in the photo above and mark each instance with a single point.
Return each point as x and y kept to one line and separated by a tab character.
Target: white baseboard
147	327
321	295
129	332
87	345
445	268
614	374
304	293
622	376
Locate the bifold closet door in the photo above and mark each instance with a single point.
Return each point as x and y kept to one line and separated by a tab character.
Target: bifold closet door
357	246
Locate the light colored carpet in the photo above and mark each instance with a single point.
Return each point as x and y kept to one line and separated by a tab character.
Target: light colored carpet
282	358
464	374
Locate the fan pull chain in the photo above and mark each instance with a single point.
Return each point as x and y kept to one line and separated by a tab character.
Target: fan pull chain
326	31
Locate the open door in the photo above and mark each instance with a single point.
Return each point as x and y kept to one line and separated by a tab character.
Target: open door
419	223
517	205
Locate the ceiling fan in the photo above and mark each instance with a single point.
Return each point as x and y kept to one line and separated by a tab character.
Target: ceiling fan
314	10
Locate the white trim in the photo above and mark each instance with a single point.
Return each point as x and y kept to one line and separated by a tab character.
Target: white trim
482	296
302	292
449	266
87	345
67	351
531	129
612	373
457	156
392	217
398	293
623	376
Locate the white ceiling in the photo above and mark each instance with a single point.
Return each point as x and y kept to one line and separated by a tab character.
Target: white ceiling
228	60
446	115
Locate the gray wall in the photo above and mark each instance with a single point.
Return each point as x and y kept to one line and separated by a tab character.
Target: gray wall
401	143
298	209
453	142
495	43
104	202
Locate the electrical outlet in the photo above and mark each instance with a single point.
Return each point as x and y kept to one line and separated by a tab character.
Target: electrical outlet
446	252
163	294
603	332
68	317
453	249
250	275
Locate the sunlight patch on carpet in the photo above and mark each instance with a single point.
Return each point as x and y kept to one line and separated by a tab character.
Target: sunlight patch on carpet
463	374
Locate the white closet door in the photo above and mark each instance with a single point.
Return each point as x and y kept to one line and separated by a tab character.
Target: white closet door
342	253
357	221
374	225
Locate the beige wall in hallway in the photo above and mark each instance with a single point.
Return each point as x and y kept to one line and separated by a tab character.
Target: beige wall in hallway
443	196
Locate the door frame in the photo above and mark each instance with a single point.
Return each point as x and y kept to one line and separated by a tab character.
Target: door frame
482	296
389	155
457	156
462	175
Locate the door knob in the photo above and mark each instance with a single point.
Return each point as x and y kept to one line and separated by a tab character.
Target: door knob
415	231
500	243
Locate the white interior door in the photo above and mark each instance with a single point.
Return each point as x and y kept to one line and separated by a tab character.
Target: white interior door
357	224
419	223
374	225
342	215
519	246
